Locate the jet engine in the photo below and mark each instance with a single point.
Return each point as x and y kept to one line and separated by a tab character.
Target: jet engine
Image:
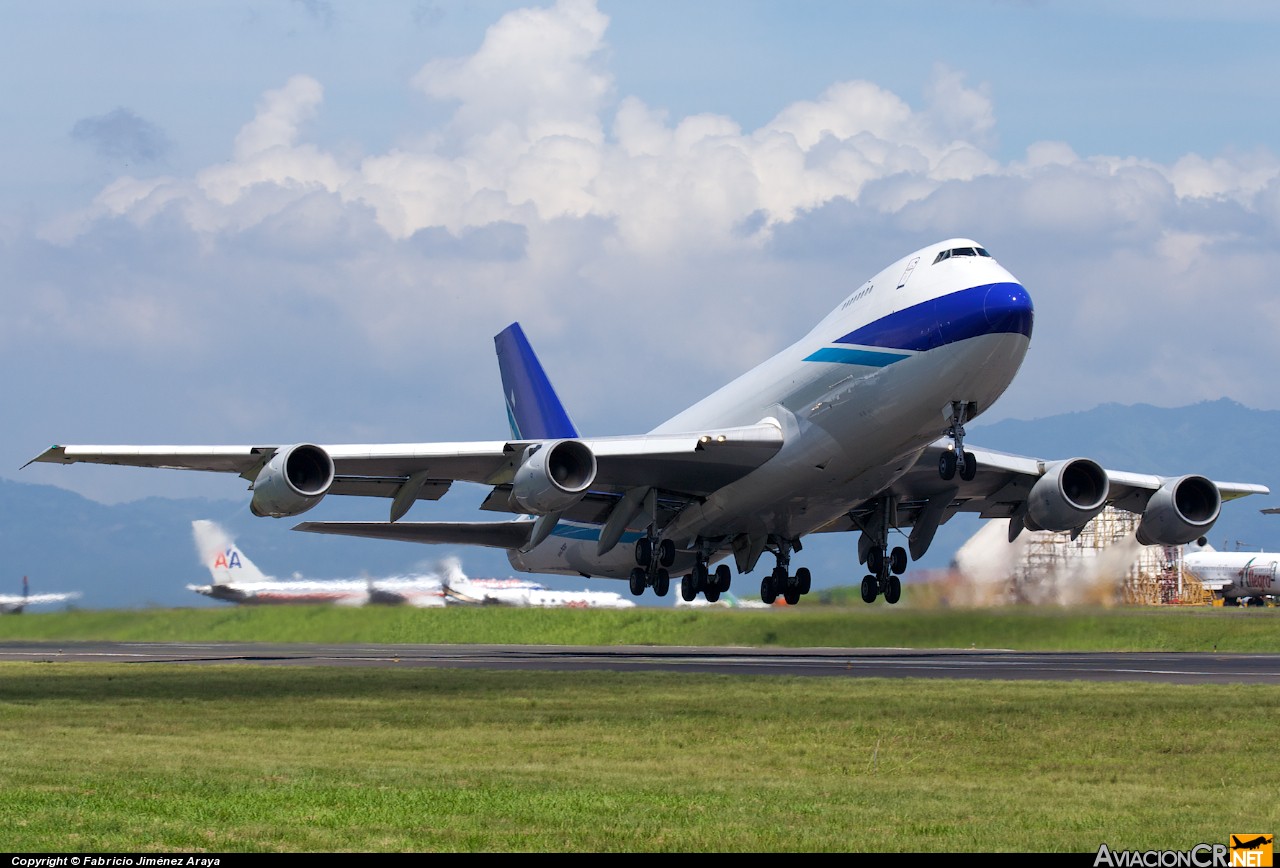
553	476
294	480
1067	496
1182	510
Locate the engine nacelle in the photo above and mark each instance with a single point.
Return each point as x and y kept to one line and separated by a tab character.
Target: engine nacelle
294	480
1182	510
553	476
1067	496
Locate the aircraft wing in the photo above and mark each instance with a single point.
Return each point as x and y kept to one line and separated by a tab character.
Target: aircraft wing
692	464
1001	488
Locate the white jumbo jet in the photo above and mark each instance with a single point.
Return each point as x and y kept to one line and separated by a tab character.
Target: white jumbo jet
858	426
1236	578
12	604
236	579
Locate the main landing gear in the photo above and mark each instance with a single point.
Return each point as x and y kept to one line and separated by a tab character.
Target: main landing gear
885	570
873	549
653	556
956	459
780	583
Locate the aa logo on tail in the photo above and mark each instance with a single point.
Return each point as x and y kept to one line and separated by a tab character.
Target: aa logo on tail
1251	851
230	559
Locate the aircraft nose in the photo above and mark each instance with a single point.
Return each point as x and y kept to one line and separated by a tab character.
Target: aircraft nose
1008	309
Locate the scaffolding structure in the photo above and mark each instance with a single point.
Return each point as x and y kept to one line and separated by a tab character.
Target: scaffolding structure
1102	564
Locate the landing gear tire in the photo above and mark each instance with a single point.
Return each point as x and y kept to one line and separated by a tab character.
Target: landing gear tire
947	465
791	595
662	583
712	595
666	553
637	582
644	551
875	560
969	469
870	589
898	560
723	578
803	580
892	590
767	591
689	588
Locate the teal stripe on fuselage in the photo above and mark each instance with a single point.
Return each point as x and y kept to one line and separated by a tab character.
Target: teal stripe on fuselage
867	358
590	532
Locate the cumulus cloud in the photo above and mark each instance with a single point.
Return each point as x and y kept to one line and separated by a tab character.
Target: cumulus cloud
122	135
649	256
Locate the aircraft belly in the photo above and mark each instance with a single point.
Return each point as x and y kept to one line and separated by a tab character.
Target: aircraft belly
859	439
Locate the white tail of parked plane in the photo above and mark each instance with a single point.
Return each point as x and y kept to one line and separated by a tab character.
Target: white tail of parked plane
12	604
220	555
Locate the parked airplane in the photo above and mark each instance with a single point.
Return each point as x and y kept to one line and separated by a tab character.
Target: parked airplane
11	604
236	579
515	592
858	426
1236	578
727	600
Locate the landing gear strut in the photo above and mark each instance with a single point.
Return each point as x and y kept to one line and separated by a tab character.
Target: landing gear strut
780	583
956	458
884	565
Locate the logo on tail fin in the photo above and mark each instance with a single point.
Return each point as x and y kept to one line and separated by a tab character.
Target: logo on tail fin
218	552
533	408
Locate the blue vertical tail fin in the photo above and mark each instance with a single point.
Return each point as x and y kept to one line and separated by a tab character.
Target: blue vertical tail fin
533	407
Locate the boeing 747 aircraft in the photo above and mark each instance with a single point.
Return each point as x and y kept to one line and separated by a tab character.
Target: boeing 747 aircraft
859	426
11	604
1236	578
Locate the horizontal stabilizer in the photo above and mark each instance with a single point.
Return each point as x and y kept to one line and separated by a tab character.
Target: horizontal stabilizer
495	534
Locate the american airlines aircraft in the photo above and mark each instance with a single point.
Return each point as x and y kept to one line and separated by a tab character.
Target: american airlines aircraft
11	604
1237	578
236	579
857	427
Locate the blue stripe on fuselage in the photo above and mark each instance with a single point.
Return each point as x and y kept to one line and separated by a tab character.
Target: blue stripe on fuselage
994	308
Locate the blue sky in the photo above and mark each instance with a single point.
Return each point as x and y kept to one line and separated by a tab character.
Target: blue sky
230	222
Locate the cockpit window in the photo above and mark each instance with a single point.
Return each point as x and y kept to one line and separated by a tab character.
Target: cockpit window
960	251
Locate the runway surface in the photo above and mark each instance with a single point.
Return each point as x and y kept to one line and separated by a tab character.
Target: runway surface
1184	668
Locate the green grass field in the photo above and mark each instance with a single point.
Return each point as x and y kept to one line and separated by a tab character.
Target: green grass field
124	758
1020	628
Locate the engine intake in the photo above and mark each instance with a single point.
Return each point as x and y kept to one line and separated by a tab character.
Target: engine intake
553	476
294	480
1180	511
1067	496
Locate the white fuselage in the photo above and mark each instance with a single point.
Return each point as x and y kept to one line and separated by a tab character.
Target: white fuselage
857	399
340	592
1236	575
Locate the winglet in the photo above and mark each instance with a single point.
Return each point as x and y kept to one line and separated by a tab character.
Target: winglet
533	408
